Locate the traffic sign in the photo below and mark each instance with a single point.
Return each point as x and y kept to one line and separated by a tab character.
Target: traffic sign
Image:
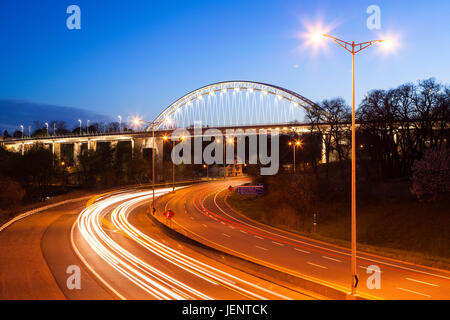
169	214
251	190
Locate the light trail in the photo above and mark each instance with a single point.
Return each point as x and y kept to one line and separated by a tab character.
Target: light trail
156	283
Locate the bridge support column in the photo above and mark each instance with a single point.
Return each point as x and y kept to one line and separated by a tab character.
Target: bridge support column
92	145
324	150
137	145
159	155
76	153
56	150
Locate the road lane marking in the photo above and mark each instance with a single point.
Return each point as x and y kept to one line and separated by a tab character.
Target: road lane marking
323	247
316	265
277	243
430	284
259	237
332	259
204	225
370	269
243	231
422	294
226	235
304	251
261	248
231	227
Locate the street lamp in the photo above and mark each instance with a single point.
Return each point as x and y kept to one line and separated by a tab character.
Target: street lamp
120	122
297	143
206	167
354	48
21	126
87	126
46	124
79	120
225	141
29	131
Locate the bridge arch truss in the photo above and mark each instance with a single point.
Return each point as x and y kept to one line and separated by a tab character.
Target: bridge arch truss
235	103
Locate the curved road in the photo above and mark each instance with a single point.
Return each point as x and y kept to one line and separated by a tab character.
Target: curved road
121	254
202	212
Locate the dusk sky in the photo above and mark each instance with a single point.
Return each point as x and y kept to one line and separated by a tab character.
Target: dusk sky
137	57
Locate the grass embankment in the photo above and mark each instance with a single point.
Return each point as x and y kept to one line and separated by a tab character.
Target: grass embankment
398	227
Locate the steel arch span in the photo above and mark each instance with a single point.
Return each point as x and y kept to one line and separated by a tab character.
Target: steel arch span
235	103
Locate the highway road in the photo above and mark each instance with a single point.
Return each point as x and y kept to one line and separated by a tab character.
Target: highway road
121	253
202	212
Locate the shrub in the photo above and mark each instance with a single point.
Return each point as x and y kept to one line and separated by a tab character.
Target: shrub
11	193
431	175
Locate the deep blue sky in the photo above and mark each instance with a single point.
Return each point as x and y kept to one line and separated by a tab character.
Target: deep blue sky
139	56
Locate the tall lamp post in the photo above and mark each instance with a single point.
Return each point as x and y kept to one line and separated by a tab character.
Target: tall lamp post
120	122
21	126
297	143
353	48
79	120
46	125
206	167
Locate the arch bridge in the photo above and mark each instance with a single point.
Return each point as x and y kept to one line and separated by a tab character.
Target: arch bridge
222	105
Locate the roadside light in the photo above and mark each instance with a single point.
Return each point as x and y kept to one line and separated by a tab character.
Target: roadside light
165	138
204	166
290	143
137	121
298	142
230	140
182	138
218	140
361	146
63	163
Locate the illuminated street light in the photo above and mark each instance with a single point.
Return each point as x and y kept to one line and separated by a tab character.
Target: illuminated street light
120	122
206	167
46	124
297	143
21	126
353	48
79	120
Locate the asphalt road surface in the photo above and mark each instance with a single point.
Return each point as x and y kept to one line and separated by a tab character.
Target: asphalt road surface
121	254
202	211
